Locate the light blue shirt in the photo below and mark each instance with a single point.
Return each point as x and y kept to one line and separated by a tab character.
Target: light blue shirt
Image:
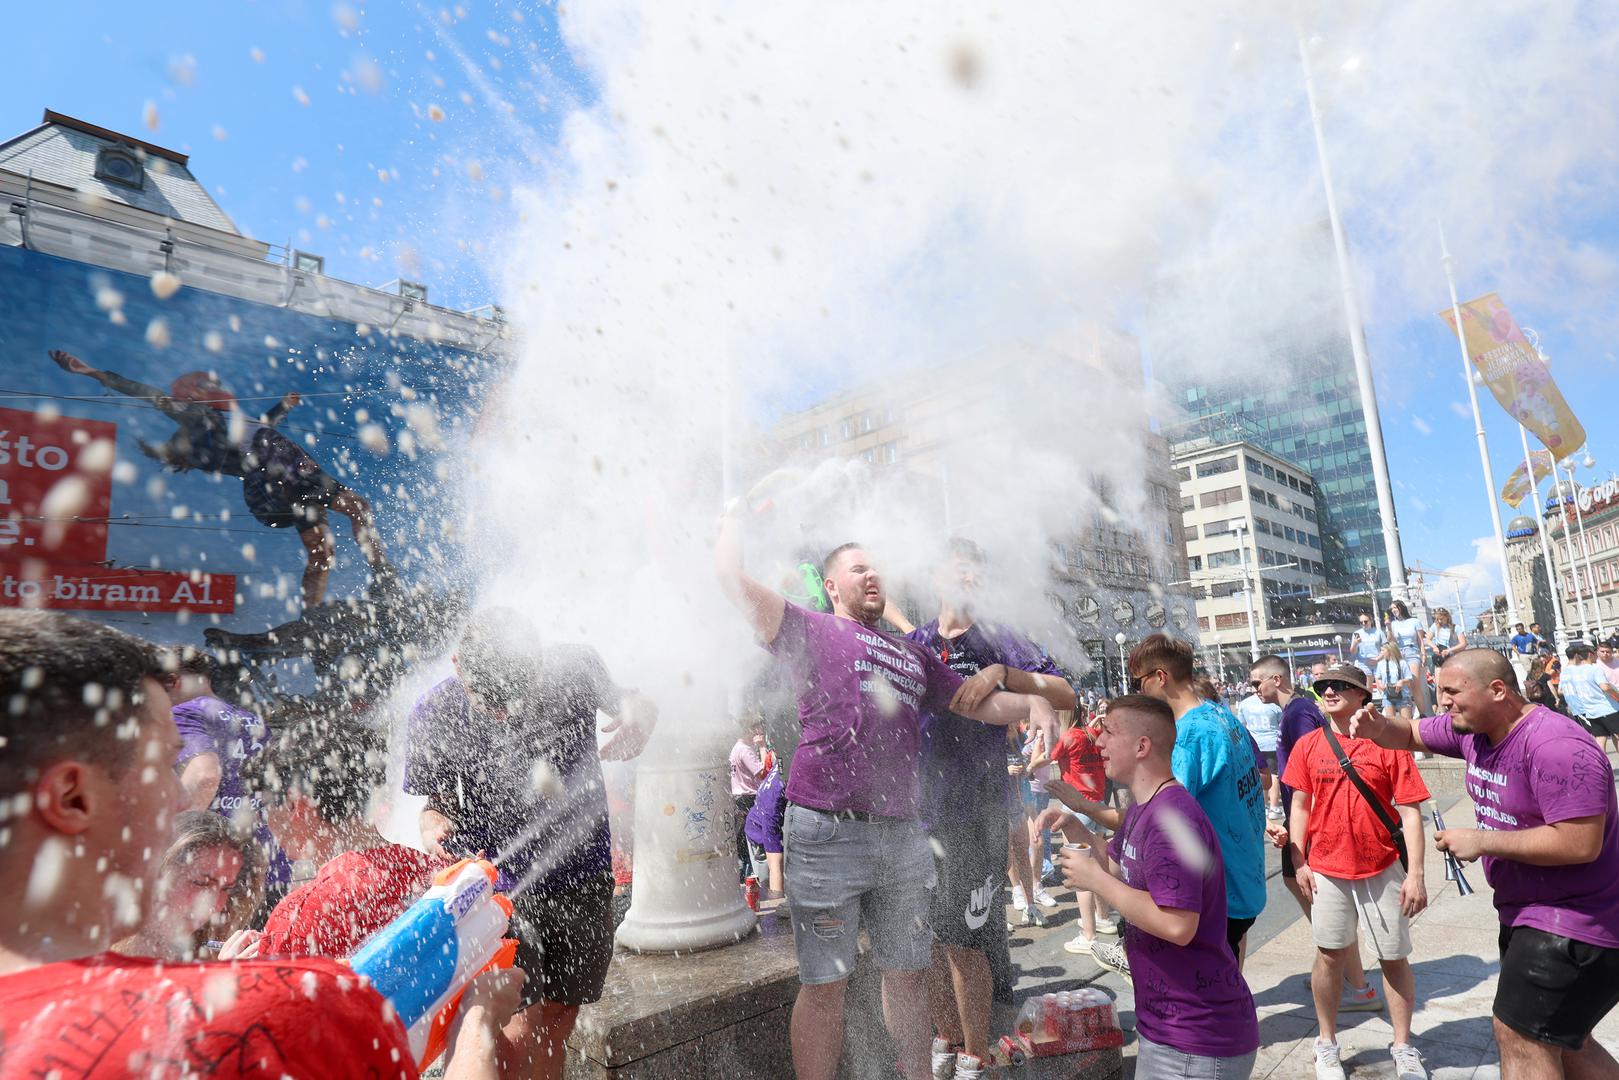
1368	643
1264	722
1405	633
1214	762
1582	689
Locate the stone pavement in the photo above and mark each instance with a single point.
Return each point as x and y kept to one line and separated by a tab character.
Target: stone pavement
1455	961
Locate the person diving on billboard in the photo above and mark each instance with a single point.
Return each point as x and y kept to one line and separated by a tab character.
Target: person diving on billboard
282	485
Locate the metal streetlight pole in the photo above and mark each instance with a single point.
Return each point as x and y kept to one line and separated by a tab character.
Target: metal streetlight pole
1568	542
1240	527
1585	544
1357	345
1124	664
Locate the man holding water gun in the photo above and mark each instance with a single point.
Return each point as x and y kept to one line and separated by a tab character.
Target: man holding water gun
506	754
92	792
1548	832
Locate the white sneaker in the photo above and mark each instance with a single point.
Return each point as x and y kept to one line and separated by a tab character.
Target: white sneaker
944	1060
970	1068
1273	812
1327	1065
1105	925
1367	1000
1079	944
1111	955
1019	902
1407	1063
1043	898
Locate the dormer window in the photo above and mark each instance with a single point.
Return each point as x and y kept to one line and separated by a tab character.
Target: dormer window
119	166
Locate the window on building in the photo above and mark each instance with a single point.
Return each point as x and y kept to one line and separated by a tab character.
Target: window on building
1223	589
1270	500
888	413
1253	465
1230	619
848	428
1216	528
1261	526
1217	466
120	166
1194	562
1602	575
890	452
826	437
1183	473
1305	488
868	456
1217	560
1309	515
1188	532
865	422
1293	482
1270	473
1290	534
1222	497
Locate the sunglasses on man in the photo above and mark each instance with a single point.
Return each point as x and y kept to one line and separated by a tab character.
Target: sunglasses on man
1334	686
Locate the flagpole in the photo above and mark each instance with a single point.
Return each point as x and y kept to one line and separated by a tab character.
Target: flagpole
1568	542
1585	543
1560	633
1357	346
1478	426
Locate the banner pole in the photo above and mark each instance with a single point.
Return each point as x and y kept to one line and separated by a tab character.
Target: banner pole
1560	632
1568	541
1483	443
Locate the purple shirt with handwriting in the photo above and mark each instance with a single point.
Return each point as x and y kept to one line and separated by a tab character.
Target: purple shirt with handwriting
861	694
1547	769
210	725
1189	997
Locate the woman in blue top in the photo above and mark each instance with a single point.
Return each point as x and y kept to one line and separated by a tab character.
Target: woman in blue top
1407	635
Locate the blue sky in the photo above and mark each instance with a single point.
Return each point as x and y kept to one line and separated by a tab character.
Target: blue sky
388	139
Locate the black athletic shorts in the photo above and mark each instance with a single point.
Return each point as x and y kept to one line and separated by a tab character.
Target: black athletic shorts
1554	989
1235	929
1602	725
283	487
565	941
1288	869
970	856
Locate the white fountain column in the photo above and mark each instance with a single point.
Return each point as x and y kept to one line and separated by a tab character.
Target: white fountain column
685	894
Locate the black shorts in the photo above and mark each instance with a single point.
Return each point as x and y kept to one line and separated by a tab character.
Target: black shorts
1554	989
970	857
565	941
283	487
1235	929
1602	725
1288	869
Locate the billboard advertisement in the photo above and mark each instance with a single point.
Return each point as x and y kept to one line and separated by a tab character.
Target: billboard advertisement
182	463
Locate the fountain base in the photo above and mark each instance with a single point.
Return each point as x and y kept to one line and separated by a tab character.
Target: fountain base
725	1013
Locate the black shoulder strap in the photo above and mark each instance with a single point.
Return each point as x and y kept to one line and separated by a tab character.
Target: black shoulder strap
1390	823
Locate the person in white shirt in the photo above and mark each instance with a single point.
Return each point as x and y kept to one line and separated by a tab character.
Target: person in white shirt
1408	636
1392	678
1592	699
1444	637
1264	722
1367	643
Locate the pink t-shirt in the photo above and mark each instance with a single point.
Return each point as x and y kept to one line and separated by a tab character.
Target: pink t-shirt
1547	769
745	766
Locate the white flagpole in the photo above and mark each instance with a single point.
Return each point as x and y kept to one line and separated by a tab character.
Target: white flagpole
1560	632
1568	542
1478	425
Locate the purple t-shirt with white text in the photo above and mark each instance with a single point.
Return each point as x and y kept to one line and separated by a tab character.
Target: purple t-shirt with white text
1191	998
1547	769
208	725
861	693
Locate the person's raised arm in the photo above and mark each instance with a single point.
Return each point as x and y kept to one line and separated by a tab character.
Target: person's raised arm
1004	708
1069	796
1564	843
763	608
1390	732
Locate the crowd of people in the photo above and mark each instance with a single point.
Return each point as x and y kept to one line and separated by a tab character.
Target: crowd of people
151	821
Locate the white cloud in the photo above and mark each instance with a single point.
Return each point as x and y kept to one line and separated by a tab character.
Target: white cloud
1479	582
1421	425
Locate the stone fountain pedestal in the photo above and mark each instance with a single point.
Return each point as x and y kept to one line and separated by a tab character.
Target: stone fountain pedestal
725	1013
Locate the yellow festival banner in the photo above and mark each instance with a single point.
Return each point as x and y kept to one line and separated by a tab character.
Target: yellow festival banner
1518	487
1515	375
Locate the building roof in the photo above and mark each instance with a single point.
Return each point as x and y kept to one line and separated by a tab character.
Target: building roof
64	150
1520	526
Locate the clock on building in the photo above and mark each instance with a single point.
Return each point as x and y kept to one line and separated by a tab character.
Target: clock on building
1156	615
1087	610
1182	620
1123	612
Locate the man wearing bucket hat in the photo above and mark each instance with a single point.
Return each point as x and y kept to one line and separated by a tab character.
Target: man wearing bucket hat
1356	839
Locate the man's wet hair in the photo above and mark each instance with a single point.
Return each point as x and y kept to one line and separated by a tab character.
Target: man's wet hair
963	548
335	763
1484	666
831	559
69	690
498	656
1162	652
1579	650
1270	664
1146	715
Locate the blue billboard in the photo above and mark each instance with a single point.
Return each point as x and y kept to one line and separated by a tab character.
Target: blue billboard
180	462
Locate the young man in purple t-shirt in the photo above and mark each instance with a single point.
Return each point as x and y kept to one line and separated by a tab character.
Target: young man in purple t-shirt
1163	873
1548	832
964	793
854	846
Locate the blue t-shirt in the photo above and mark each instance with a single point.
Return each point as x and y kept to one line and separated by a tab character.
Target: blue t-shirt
963	760
1214	762
1524	643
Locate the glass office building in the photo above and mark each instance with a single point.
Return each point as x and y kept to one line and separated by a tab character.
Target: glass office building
1314	418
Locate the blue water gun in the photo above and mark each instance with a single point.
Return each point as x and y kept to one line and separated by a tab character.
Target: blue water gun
423	960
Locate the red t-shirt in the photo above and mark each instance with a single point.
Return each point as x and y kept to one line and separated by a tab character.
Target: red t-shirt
109	1017
349	899
1081	763
1344	838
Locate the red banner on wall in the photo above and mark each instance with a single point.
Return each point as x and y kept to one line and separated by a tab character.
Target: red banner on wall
39	584
55	486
